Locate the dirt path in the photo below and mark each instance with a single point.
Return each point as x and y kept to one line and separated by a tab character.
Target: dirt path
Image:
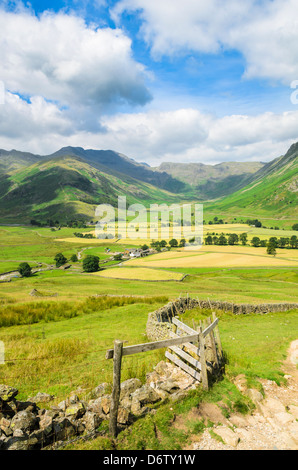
272	426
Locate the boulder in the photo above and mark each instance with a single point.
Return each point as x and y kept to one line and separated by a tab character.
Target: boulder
5	427
91	421
46	424
24	420
7	393
228	436
63	428
76	410
129	386
123	415
142	397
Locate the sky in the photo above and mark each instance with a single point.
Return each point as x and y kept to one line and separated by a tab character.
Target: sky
159	80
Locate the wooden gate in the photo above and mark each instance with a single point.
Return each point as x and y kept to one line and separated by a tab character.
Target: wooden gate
187	349
199	357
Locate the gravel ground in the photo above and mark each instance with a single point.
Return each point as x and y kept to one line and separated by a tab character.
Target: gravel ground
272	426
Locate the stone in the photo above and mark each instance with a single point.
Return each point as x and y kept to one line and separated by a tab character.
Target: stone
91	421
284	418
169	386
73	399
129	386
63	428
95	406
106	404
21	443
7	393
123	415
228	436
24	420
46	424
76	410
41	398
63	405
254	395
274	405
101	390
145	395
5	427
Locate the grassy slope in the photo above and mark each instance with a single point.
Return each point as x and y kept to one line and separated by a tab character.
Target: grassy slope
66	337
212	181
67	188
271	192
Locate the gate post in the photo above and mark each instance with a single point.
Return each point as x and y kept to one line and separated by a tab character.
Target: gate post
118	346
203	360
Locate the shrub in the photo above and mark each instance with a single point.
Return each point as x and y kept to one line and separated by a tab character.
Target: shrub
91	264
25	270
60	260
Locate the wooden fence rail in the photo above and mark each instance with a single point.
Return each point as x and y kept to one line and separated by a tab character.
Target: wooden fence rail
193	341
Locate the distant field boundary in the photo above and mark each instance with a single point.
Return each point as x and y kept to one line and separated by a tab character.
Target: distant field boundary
159	322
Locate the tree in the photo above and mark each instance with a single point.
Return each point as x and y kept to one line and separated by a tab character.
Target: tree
243	238
208	240
25	270
271	250
255	241
91	264
222	240
173	242
182	242
74	258
295	227
233	239
294	241
144	247
60	260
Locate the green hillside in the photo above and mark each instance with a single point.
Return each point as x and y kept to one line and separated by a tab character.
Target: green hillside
272	191
67	188
212	181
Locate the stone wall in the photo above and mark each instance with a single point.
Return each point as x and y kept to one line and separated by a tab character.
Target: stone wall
159	321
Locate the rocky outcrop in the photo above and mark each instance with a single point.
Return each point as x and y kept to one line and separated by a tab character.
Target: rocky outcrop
27	426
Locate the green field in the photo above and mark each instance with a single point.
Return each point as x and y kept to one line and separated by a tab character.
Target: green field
55	342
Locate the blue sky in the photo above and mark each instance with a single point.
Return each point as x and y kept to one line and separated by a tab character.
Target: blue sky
163	80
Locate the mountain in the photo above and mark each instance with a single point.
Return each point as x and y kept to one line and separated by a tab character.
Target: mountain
271	190
212	181
14	160
70	183
111	162
67	188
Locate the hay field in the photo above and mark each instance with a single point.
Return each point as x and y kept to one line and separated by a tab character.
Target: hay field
142	274
219	256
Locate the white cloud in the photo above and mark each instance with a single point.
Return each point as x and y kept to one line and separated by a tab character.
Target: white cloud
182	135
186	135
265	32
59	57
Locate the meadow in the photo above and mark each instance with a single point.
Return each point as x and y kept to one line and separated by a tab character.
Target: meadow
56	341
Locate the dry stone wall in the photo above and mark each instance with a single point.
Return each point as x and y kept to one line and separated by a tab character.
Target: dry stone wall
159	321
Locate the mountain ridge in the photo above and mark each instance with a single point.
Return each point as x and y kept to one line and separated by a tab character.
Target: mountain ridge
72	181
